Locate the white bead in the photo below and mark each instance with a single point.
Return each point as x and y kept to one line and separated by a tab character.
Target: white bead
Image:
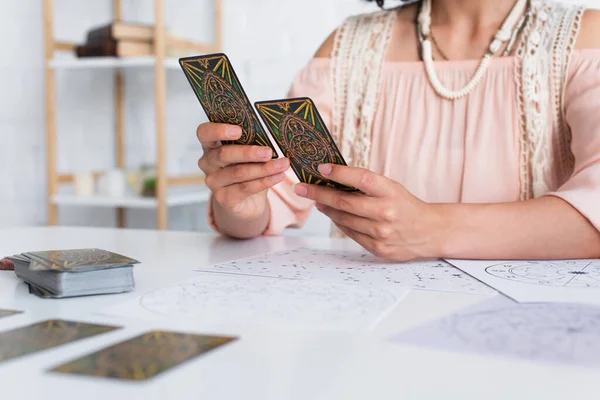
543	16
425	18
535	38
427	50
503	35
495	46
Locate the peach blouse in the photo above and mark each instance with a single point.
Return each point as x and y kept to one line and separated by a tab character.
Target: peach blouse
465	150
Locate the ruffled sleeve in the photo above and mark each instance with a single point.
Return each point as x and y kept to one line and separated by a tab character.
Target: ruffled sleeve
582	110
286	209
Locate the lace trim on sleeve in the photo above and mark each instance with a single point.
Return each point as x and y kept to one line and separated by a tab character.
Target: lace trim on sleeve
358	55
541	65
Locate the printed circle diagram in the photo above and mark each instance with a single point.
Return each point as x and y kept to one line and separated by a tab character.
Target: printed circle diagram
573	274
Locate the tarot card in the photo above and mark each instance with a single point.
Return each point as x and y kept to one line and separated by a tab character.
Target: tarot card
144	356
77	260
45	335
8	313
302	136
222	97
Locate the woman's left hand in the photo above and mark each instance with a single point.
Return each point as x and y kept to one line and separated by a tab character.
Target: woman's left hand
385	218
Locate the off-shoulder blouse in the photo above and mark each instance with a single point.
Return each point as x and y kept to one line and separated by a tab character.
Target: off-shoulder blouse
465	150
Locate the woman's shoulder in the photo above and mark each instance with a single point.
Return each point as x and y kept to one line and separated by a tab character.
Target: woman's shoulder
327	47
573	23
405	17
589	33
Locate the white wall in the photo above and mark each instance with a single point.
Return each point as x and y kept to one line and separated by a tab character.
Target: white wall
267	40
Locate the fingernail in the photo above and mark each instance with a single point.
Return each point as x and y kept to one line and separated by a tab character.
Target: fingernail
325	169
300	190
277	178
264	152
280	163
233	131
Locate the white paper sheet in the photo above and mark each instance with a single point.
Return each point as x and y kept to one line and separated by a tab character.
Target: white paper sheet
568	281
550	332
355	267
245	301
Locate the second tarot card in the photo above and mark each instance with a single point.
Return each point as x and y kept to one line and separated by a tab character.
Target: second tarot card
302	136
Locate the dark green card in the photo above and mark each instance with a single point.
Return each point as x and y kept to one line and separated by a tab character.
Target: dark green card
75	260
144	356
45	335
302	136
8	313
222	97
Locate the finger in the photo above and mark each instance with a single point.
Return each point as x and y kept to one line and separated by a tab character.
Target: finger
236	193
374	246
352	203
239	173
211	134
368	182
356	223
237	154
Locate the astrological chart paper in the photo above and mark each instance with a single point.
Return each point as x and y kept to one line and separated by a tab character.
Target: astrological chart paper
219	300
357	267
556	333
565	281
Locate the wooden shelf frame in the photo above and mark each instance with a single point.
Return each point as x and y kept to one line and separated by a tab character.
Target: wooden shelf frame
162	41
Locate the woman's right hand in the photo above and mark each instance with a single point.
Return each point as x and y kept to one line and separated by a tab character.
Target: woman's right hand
239	176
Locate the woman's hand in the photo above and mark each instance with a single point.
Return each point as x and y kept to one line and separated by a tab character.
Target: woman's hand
239	176
385	218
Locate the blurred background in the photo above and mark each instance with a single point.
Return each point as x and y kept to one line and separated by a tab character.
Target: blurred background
268	41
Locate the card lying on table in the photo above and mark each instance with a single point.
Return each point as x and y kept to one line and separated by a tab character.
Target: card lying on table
300	132
222	97
45	335
80	272
144	356
8	313
78	260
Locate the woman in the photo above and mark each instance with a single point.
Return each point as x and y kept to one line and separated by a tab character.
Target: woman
458	155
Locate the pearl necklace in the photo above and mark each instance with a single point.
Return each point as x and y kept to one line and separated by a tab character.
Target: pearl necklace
504	34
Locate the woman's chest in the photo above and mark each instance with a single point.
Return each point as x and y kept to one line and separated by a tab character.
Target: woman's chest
441	150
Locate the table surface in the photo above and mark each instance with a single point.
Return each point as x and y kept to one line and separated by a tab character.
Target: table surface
263	364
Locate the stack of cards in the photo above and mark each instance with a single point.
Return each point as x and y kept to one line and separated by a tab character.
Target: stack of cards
70	273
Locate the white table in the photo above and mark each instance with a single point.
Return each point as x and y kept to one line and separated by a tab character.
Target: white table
263	364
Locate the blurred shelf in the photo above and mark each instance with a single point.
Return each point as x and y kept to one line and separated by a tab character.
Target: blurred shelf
60	55
110	62
173	200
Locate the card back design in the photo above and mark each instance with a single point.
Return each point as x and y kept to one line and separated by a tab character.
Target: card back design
300	132
222	97
45	335
73	260
144	356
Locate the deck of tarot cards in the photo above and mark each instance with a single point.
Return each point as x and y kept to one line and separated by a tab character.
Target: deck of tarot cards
71	273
